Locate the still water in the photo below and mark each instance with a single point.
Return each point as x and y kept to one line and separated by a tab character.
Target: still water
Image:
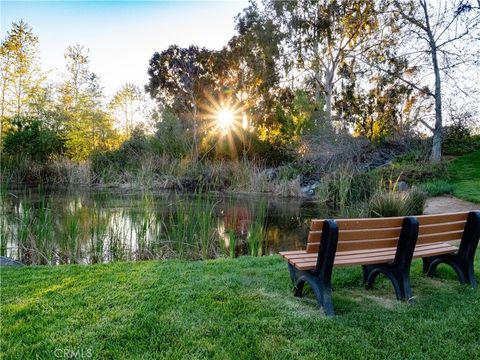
59	227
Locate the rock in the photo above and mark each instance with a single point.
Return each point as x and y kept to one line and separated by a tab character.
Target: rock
6	261
310	189
402	186
271	174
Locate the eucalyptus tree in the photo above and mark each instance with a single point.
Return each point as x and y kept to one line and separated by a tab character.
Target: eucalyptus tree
255	54
319	36
435	42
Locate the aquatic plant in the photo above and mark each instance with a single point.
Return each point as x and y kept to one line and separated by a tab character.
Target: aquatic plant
256	230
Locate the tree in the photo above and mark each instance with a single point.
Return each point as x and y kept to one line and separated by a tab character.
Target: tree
319	36
183	79
127	104
253	71
87	126
437	42
376	104
21	77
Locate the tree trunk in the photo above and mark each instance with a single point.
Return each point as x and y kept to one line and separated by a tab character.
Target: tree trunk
317	75
328	96
436	154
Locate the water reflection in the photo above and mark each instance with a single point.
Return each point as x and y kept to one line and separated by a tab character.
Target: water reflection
99	226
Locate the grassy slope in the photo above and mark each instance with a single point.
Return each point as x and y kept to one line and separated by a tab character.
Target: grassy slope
465	173
229	309
463	179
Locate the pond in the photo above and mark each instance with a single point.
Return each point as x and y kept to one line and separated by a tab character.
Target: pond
60	227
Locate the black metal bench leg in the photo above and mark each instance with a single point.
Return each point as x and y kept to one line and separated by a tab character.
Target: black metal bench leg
400	281
399	270
426	261
462	267
321	288
291	270
366	270
462	261
319	279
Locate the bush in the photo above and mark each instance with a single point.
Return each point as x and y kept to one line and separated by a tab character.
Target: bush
415	201
393	203
458	140
170	137
411	173
30	138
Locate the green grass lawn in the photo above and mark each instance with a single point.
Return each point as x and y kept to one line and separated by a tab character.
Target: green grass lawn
463	179
229	309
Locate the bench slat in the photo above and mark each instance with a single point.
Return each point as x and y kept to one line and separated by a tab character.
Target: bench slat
440	237
305	255
359	224
345	260
441	228
441	218
358	245
364	234
366	254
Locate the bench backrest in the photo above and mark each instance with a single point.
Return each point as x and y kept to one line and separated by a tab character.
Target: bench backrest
441	227
364	234
359	234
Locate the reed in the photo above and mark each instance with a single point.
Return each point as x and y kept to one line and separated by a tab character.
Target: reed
335	189
98	227
70	235
5	233
256	231
191	227
43	232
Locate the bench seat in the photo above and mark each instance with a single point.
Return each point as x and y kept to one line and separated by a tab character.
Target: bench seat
308	261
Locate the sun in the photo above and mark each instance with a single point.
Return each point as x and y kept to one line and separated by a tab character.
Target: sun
225	119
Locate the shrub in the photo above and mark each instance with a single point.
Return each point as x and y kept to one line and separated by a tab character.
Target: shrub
458	139
335	188
412	173
30	138
386	204
393	203
415	201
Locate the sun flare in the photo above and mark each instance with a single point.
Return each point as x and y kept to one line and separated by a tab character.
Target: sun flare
225	119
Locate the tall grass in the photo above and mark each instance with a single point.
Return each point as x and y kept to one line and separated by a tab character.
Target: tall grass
98	228
439	187
335	188
385	203
191	228
5	234
69	235
256	231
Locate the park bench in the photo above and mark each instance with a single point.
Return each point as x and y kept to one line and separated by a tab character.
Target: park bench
384	245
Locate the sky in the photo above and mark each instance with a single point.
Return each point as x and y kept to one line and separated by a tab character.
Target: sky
121	35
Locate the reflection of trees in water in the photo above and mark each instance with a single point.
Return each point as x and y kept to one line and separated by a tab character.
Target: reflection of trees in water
90	227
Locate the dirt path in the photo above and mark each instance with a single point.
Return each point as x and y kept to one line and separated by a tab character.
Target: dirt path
444	204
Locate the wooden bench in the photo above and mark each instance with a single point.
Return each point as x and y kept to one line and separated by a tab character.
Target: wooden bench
384	245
